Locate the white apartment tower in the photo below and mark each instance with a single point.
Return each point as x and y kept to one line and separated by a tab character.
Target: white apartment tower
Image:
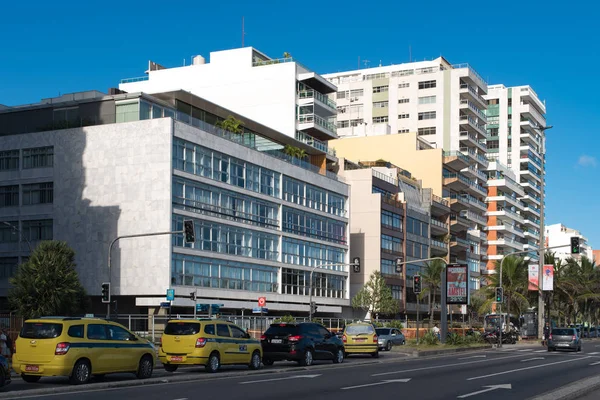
560	235
515	117
444	104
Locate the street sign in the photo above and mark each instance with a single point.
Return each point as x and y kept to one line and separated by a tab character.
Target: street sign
259	310
262	301
89	315
216	308
201	307
170	294
165	304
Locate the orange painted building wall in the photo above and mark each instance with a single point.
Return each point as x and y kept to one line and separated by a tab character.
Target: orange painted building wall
492	220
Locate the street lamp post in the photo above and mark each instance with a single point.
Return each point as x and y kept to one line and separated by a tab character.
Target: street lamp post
310	283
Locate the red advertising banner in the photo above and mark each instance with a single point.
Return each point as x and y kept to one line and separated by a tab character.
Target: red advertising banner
548	277
457	284
534	277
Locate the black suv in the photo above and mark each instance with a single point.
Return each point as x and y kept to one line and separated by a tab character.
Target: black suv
303	342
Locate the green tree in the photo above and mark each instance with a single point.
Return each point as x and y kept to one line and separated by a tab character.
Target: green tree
376	297
432	277
231	124
47	284
294	151
515	282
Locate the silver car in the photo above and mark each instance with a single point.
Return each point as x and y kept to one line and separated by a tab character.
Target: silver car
564	338
388	337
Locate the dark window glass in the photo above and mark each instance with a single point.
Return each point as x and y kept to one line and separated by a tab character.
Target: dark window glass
282	330
182	328
96	332
40	330
223	330
76	331
209	329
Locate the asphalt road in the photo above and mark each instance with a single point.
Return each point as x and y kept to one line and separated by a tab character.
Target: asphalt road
520	372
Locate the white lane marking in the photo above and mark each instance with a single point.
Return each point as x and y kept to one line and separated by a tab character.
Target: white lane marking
594	353
280	379
520	351
183	398
541	351
525	368
595	363
445	365
467	358
531	359
377	383
489	389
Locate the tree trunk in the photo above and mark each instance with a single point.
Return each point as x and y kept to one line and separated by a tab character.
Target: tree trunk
430	309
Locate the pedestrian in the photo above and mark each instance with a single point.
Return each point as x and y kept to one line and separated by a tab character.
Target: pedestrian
5	346
546	334
436	331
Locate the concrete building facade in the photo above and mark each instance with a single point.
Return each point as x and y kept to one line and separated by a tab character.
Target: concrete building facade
560	235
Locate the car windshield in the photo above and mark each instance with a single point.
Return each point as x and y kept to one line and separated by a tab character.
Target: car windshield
382	331
282	329
359	329
182	328
41	330
562	332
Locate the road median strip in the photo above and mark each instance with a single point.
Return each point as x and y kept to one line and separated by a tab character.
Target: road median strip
432	351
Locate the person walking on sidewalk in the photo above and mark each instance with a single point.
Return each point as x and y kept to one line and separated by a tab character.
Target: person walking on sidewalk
546	334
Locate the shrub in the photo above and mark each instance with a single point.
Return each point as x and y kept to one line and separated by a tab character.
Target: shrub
285	319
395	323
456	325
454	339
430	338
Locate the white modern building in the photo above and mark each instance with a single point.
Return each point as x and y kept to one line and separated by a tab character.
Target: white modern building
515	116
281	94
89	167
560	235
443	104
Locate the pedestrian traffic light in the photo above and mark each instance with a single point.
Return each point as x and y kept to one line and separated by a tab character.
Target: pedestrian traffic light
399	265
188	228
417	284
356	264
193	296
106	292
313	307
499	295
575	245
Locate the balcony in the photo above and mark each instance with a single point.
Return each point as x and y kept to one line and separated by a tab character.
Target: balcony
530	157
439	206
506	227
477	189
480	205
528	184
475	173
530	112
507	184
473	155
468	105
456	160
506	242
459	202
469	139
504	200
325	102
503	212
529	137
531	198
313	142
438	248
473	94
532	210
475	125
530	171
459	223
473	217
456	181
533	222
438	227
317	126
456	242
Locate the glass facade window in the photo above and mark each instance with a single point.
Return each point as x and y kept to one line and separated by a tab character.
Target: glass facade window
8	267
384	192
9	196
201	161
9	160
391	244
417	227
211	200
301	252
222	274
396	292
39	157
314	226
228	240
293	190
38	229
391	220
336	205
388	267
294	281
38	193
316	198
9	234
417	250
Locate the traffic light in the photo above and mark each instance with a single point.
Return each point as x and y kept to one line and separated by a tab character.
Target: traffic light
313	307
193	296
399	265
188	228
575	245
356	264
499	295
417	284
106	292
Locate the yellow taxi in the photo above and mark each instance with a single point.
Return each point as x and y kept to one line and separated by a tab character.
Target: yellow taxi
360	338
208	342
79	348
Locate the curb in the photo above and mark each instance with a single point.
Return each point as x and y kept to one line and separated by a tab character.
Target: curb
572	391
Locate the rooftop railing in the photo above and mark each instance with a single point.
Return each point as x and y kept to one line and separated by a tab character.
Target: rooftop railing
136	79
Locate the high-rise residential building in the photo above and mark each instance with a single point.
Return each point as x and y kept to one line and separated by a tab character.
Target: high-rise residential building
457	205
560	235
390	222
89	167
281	94
440	102
515	122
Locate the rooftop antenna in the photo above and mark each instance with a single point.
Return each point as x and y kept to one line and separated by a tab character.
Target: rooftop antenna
243	32
409	53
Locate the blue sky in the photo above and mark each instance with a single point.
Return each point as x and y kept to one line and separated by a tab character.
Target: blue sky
65	46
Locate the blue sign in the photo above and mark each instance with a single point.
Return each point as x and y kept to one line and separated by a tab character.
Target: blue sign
170	294
258	310
201	307
165	304
214	308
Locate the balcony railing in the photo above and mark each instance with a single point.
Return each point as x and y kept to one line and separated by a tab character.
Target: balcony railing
438	199
258	62
316	119
310	94
441	224
473	122
460	240
474	92
474	108
471	71
136	79
457	154
314	142
384	177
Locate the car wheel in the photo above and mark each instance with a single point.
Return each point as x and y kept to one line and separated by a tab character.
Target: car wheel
82	371
307	360
255	360
170	367
338	357
145	367
214	363
403	342
376	354
388	346
267	361
30	378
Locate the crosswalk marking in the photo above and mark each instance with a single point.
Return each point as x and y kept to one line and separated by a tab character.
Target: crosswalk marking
540	351
595	352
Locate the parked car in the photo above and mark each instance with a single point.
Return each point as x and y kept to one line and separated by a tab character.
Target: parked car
564	338
361	338
302	342
388	337
4	371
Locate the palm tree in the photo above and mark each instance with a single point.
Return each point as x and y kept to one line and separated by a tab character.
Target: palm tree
432	277
231	124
